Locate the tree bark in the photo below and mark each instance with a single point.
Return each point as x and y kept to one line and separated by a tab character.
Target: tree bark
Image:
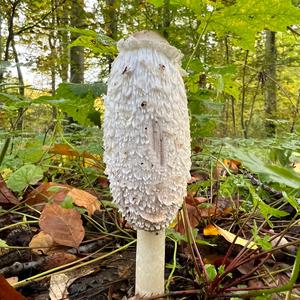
77	53
63	36
166	19
110	15
10	35
270	84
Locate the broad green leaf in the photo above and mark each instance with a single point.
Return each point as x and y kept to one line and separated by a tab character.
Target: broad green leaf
26	175
95	47
32	152
275	173
77	100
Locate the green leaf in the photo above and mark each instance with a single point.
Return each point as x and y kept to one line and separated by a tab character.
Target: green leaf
291	200
25	176
77	100
221	269
32	152
3	244
275	173
211	271
266	210
67	202
263	242
55	189
95	47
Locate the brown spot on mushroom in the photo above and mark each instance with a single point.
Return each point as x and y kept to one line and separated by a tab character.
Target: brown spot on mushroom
143	104
162	67
124	71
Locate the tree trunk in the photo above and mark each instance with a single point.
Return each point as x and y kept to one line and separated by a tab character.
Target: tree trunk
63	36
10	35
270	84
166	19
19	124
110	15
77	52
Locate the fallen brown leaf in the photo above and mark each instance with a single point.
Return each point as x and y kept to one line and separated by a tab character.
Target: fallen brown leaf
56	259
84	199
6	195
64	225
42	193
65	149
41	242
56	193
7	292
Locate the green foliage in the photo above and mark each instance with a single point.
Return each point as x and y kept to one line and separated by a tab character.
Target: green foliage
98	43
245	18
77	100
67	202
3	244
291	200
273	173
263	242
32	151
211	271
24	176
266	210
178	237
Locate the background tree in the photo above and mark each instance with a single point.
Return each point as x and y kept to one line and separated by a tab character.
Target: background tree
270	82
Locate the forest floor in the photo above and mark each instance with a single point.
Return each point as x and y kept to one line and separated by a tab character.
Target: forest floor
64	241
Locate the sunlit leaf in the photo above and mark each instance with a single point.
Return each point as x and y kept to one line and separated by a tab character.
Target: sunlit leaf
230	237
26	175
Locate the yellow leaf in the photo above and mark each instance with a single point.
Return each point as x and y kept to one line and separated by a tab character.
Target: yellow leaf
240	241
210	230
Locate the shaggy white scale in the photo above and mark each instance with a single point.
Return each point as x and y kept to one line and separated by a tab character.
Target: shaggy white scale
147	146
146	132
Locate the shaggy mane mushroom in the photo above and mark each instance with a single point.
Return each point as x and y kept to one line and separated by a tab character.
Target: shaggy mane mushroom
147	146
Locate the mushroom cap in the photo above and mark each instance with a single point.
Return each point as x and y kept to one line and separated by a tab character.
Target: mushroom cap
146	131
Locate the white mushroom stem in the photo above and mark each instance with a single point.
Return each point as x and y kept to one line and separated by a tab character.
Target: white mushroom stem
150	263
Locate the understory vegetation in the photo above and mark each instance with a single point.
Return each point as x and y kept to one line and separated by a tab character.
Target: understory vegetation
237	234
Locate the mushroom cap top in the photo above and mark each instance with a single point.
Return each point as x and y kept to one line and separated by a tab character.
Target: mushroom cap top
146	131
152	40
